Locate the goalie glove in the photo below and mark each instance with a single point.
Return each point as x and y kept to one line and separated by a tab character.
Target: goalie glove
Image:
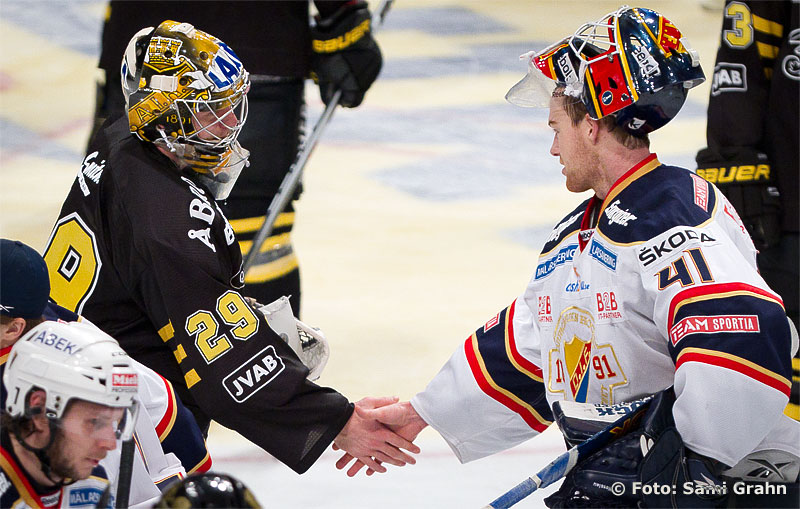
745	177
344	54
308	343
629	471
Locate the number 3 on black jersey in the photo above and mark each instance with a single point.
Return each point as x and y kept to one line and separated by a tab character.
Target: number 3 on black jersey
73	262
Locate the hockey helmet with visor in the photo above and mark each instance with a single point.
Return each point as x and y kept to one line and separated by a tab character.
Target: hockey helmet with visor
73	361
632	63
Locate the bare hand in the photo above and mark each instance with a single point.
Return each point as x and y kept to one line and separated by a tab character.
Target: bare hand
370	442
399	417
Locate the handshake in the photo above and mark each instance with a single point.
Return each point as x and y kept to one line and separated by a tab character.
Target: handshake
377	433
379	430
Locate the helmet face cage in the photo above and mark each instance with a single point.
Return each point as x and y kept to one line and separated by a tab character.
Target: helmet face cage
198	117
186	92
71	361
632	62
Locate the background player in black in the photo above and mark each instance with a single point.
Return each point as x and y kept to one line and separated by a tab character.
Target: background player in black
752	153
144	252
274	39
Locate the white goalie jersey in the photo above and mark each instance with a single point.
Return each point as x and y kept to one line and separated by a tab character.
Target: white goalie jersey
663	291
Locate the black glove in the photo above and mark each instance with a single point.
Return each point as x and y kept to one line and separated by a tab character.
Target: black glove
636	469
345	56
744	176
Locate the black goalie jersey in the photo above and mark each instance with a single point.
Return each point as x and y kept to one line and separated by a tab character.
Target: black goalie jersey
145	253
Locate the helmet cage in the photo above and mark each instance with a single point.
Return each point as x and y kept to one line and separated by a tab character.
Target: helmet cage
180	85
201	115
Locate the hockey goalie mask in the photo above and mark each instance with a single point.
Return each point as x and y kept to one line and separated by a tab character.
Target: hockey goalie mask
632	63
186	91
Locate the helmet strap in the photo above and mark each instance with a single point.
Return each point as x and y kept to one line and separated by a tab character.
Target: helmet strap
164	137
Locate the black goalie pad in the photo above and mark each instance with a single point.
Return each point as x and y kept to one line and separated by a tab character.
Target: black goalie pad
646	466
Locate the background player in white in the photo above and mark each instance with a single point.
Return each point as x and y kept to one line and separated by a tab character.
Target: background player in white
162	449
71	395
648	286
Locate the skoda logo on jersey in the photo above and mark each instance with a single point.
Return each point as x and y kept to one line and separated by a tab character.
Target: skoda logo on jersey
560	258
653	251
225	67
607	97
253	375
603	255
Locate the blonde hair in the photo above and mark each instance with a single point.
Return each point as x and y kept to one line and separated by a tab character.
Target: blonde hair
576	112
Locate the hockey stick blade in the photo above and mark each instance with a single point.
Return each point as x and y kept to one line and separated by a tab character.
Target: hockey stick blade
292	177
562	465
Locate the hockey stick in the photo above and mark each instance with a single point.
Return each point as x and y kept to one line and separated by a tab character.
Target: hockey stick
292	178
561	466
125	473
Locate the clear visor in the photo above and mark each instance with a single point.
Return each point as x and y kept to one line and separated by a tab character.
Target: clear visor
536	89
216	123
105	422
590	43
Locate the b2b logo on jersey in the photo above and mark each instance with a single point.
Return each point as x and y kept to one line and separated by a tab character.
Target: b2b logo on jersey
609	308
253	375
545	311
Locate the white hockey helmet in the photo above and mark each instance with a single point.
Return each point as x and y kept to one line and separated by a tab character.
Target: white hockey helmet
71	361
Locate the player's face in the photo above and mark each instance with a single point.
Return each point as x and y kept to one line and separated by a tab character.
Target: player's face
84	437
215	125
571	147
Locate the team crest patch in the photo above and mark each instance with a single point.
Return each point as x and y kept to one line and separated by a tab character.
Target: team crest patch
577	355
578	360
